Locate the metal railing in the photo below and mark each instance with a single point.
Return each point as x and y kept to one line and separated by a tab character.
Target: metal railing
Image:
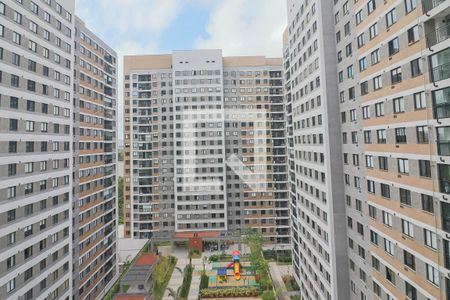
430	4
442	110
439	35
443	147
440	72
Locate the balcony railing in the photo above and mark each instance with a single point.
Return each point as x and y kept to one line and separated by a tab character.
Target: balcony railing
445	185
440	72
430	4
442	111
439	35
444	148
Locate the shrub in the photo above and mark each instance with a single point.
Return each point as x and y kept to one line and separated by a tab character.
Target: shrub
229	292
186	281
204	281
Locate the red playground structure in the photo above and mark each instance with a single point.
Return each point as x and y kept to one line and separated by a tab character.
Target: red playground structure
236	265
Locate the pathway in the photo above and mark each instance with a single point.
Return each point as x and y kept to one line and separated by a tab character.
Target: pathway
177	278
276	272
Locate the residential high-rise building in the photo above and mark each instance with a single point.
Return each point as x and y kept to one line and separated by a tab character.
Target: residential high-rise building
94	170
205	154
390	61
36	77
315	160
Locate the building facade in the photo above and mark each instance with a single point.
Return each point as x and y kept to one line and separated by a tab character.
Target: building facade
390	65
94	190
204	146
36	77
315	163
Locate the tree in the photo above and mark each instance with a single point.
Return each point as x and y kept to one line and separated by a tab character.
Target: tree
121	200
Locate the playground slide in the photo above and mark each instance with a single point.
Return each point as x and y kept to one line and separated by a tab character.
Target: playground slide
237	271
229	265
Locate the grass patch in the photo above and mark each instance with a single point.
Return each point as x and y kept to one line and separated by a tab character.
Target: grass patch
187	278
290	283
162	274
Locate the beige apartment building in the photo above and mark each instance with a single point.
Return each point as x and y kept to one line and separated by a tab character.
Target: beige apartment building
190	118
392	63
94	189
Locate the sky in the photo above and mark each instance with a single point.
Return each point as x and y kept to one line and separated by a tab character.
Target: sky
238	27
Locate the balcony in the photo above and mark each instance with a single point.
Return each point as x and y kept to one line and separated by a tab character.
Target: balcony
444	179
441	103
440	72
443	142
430	4
439	35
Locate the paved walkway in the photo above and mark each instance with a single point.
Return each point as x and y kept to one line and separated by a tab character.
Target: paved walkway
177	277
277	272
196	276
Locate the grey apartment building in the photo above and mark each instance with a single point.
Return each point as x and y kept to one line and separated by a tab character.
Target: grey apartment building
205	155
391	99
36	77
57	154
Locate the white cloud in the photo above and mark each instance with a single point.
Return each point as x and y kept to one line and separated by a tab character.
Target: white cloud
250	27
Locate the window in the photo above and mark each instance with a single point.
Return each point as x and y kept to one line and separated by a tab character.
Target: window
369	161
425	168
364	88
399	105
17	38
419	100
371	6
11	285
403	165
366	112
413	34
390	275
389	247
371	186
400	135
432	274
367	137
385	190
410	5
358	17
427	203
396	75
12	147
409	260
372	212
379	109
12	169
387	219
383	163
34	8
375	56
407	228
13	124
381	136
363	64
416	67
373	31
391	17
360	40
405	196
374	237
2	30
430	239
422	134
393	46
377	83
17	17
2	8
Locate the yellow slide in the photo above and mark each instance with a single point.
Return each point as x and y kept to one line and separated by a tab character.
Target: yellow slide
237	271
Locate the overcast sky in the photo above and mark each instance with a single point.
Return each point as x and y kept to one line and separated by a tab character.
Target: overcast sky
238	27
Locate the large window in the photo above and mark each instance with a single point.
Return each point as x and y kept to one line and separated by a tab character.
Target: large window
444	178
393	46
441	103
443	137
440	69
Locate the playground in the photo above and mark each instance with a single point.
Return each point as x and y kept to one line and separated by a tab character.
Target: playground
236	273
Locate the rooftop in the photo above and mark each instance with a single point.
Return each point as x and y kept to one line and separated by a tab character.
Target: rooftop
147	259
